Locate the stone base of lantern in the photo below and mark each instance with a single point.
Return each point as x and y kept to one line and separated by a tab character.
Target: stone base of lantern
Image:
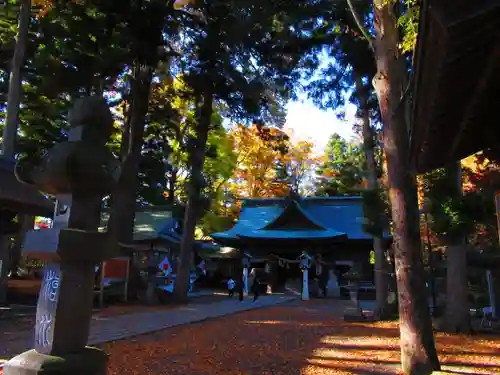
354	315
90	361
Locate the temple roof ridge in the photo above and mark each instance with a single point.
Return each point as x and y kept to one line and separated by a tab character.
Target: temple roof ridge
293	211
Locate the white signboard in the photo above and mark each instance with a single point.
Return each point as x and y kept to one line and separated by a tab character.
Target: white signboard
42	244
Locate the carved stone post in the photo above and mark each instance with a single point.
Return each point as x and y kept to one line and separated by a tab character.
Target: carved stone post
305	264
83	170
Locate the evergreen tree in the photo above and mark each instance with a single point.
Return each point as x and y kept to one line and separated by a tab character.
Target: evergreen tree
342	169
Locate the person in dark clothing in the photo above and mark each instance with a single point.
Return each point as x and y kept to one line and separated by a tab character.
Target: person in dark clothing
241	288
322	286
255	289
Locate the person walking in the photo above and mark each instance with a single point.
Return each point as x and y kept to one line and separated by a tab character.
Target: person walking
230	287
255	289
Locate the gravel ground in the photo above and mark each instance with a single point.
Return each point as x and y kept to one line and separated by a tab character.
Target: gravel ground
296	338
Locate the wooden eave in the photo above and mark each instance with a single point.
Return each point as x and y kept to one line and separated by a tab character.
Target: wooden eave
457	72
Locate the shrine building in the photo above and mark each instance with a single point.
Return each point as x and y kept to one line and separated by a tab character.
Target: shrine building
276	231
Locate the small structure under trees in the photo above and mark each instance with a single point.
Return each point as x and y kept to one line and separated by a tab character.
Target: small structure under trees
455	66
455	79
15	199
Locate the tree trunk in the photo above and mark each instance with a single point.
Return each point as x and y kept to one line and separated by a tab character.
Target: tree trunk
418	351
381	282
15	81
457	317
4	267
172	181
193	204
121	222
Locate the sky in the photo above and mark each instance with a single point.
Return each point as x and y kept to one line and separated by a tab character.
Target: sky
306	122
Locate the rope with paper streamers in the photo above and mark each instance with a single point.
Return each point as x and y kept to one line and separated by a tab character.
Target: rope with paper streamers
283	262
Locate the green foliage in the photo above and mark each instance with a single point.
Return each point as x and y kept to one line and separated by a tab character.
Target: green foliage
376	211
165	160
342	169
408	23
452	215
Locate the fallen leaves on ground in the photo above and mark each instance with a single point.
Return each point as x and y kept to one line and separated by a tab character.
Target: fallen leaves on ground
301	338
137	307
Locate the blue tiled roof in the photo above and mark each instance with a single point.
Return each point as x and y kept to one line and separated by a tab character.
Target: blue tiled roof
252	218
286	234
345	215
338	214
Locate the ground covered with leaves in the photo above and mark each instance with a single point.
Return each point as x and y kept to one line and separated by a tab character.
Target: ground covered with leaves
298	338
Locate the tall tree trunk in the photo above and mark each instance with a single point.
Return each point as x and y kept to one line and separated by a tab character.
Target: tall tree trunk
12	122
418	351
193	204
457	317
121	222
15	81
172	181
381	283
4	267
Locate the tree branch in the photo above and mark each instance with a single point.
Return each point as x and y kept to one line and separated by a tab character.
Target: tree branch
359	23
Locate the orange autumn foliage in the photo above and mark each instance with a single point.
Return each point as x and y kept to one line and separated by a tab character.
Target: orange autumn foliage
268	163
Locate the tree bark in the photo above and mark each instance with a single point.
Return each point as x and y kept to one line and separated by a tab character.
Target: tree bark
193	204
457	317
15	81
4	267
7	230
418	351
381	282
121	222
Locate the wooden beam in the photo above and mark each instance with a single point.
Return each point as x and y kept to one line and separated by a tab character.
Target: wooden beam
476	97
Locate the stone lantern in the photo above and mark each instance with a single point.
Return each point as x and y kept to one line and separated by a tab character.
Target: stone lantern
82	170
354	276
305	264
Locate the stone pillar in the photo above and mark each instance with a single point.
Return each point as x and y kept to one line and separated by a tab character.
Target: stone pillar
82	168
305	264
491	292
246	264
269	277
333	288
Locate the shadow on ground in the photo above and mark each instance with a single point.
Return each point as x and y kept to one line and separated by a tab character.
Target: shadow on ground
299	338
